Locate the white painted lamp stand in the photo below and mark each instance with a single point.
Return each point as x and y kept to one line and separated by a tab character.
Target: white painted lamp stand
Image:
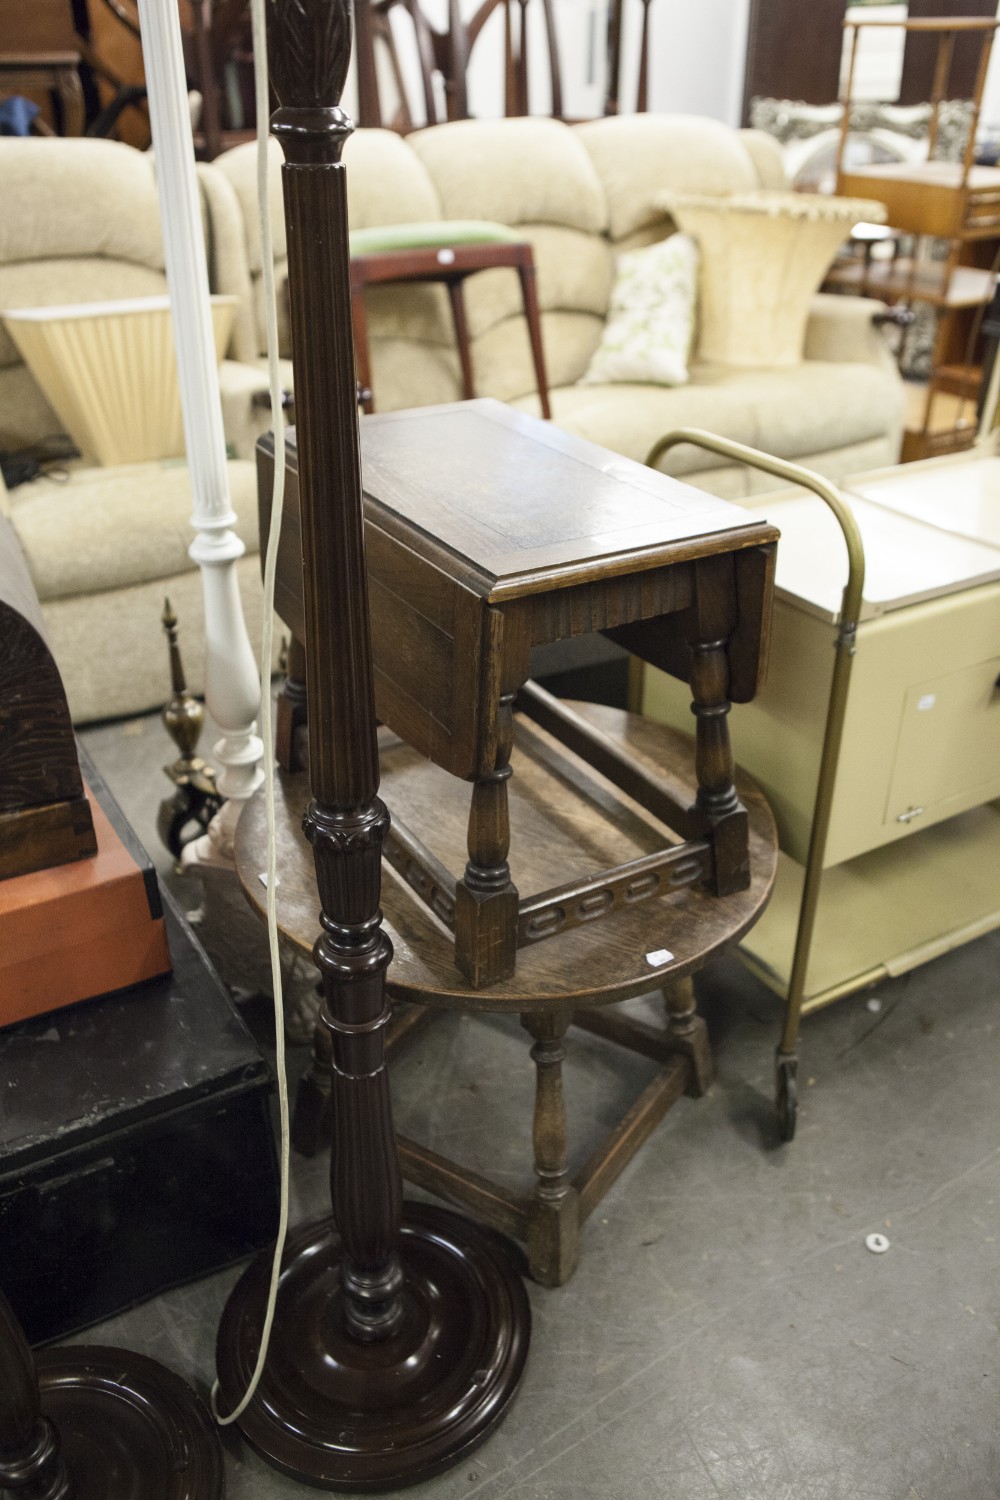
232	686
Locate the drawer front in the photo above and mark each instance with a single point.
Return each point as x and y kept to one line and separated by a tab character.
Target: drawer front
949	744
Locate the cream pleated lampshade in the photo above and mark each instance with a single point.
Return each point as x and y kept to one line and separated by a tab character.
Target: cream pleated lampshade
110	372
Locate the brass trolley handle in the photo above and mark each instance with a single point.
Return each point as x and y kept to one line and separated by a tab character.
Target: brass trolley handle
850	610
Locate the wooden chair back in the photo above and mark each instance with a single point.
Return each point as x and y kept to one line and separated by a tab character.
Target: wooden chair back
443	60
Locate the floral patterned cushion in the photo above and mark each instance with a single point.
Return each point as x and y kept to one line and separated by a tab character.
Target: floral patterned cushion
650	324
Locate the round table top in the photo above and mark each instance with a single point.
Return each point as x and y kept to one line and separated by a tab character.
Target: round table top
567	822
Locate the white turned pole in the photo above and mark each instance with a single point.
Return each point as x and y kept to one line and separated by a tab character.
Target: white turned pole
232	685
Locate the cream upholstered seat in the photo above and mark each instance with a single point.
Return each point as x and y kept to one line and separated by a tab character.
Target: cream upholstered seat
581	195
104	545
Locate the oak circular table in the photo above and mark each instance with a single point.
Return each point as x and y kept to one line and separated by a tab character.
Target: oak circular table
563	818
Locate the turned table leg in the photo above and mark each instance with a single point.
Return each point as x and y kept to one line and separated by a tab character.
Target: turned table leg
688	1034
486	898
554	1216
724	815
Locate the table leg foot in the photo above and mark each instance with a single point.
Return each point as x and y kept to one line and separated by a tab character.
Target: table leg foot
688	1034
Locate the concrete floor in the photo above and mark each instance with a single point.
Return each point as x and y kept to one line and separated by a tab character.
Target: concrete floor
727	1333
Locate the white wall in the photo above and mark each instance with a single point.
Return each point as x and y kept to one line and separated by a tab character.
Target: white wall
697	58
990	114
697	50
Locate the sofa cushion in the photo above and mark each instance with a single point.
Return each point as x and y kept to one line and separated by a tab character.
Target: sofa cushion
767	157
764	255
815	406
107	529
111	651
501	361
573	274
629	419
793	412
637	156
89	181
520	171
650	323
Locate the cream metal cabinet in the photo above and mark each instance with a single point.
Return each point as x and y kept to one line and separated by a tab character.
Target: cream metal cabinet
911	865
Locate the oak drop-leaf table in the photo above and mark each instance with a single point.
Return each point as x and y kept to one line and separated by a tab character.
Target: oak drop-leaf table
636	854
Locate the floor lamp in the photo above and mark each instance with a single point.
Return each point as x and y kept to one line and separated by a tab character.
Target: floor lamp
399	1336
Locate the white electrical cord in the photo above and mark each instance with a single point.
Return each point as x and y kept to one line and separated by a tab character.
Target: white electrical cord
270	567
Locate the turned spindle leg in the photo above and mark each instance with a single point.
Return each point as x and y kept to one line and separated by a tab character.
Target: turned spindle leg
554	1221
486	898
688	1034
723	814
31	1464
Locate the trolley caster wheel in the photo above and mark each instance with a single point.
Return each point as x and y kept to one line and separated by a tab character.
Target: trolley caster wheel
787	1100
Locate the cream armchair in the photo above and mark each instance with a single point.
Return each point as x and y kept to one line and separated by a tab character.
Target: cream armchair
104	545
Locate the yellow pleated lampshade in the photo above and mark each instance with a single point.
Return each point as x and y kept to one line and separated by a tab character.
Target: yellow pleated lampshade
109	371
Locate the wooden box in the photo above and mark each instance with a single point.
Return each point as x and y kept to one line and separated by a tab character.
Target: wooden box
81	929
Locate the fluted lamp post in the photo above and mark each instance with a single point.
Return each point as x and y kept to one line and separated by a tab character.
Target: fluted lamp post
399	1335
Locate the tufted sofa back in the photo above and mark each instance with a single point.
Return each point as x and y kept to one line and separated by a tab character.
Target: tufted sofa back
579	194
81	223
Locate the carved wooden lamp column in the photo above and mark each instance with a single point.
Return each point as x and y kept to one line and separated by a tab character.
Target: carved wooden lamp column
398	1339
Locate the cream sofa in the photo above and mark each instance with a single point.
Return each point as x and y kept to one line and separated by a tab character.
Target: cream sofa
81	223
582	195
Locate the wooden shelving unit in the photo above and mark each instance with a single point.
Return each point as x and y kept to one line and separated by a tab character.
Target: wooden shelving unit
955	201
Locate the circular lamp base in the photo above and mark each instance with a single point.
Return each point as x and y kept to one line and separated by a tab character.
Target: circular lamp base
128	1427
338	1413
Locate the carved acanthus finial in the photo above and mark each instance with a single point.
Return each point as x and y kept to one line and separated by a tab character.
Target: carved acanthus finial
309	48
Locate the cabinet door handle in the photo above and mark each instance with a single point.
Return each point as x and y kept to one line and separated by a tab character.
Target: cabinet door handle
909	815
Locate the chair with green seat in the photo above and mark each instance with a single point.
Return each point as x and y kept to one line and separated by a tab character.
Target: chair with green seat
447	251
